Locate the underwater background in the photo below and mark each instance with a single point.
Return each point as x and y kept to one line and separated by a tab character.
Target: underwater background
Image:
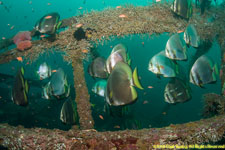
22	15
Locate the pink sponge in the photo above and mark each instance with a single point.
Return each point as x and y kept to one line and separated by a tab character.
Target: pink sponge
23	45
22	36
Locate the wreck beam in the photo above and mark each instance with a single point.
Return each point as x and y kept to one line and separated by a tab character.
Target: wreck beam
82	96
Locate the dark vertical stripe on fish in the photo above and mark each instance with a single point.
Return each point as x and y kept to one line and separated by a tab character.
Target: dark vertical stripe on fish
193	79
199	79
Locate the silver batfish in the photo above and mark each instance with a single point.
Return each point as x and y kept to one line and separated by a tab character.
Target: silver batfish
161	65
174	48
191	36
177	91
203	71
120	85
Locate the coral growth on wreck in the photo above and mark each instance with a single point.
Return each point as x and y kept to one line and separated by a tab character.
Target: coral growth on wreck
22	40
214	104
22	36
23	45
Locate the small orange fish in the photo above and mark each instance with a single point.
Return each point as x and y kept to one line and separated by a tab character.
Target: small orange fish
54	70
158	0
143	43
118	7
27	63
162	67
79	25
19	59
85	51
150	87
49	4
101	117
42	36
3	38
180	31
164	113
48	17
123	16
145	102
12	27
116	127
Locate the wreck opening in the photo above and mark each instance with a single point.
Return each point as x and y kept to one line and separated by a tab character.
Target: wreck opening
40	112
150	110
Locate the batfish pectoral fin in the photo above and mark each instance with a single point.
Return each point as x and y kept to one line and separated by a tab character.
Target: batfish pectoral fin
215	72
129	62
134	93
216	69
110	95
136	80
58	25
25	97
68	91
22	71
26	86
128	59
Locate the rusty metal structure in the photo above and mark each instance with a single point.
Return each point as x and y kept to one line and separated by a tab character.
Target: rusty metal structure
152	19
